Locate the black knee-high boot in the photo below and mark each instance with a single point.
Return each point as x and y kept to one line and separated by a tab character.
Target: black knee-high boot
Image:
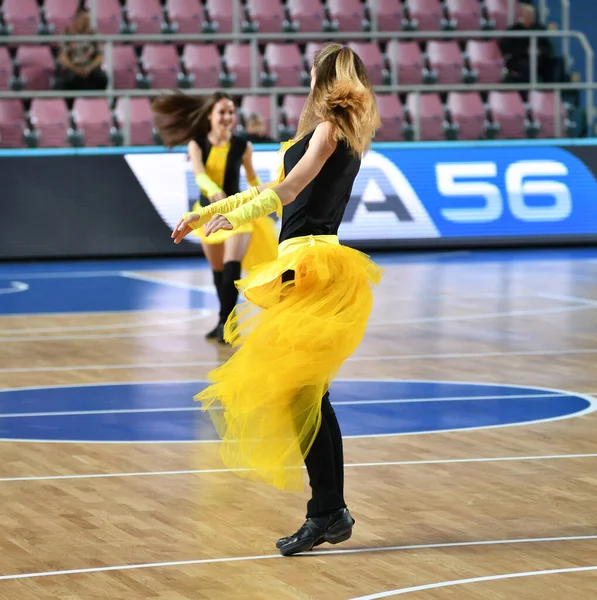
229	298
217	276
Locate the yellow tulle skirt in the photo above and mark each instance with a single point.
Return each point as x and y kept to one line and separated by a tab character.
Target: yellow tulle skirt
293	335
263	246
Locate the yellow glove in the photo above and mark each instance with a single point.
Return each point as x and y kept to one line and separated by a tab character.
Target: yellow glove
266	203
222	207
206	185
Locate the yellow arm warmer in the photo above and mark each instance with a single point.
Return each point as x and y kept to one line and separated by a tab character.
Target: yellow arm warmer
206	185
255	181
222	207
266	203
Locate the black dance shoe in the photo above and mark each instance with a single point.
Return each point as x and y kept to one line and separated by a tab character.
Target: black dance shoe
334	529
217	334
213	334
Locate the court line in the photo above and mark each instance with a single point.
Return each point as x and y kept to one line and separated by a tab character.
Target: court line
403	463
200	314
206	289
441	584
388	357
319	554
15	288
196	408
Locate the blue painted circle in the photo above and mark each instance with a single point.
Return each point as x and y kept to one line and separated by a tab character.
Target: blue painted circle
166	412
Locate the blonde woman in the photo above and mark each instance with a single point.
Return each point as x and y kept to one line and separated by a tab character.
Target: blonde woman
206	126
272	400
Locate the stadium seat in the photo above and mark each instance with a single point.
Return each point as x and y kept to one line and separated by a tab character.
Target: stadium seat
12	123
221	14
390	16
186	16
202	62
6	70
59	14
21	16
430	113
257	104
36	67
265	16
373	60
145	16
391	114
346	15
446	61
407	59
160	62
486	60
466	15
543	107
425	15
292	106
49	117
93	120
509	112
468	114
109	17
141	120
284	65
306	15
237	59
497	13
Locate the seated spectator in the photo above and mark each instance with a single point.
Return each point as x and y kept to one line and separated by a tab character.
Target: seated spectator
516	51
80	62
256	130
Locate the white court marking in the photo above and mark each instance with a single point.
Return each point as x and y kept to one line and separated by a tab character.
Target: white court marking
206	289
442	584
403	463
168	409
319	554
15	288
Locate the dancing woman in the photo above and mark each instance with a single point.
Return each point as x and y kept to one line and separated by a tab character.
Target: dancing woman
272	403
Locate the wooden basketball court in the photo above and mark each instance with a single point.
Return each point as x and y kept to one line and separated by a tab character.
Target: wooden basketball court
468	413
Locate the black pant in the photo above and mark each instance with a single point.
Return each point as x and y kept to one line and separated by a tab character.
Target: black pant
325	460
325	465
69	80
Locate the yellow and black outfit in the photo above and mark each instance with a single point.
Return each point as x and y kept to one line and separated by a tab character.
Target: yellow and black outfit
222	165
306	314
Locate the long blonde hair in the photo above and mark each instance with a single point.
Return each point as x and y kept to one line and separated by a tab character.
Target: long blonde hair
342	95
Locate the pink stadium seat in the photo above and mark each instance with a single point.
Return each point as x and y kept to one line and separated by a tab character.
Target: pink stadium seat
36	66
60	13
109	17
161	62
141	120
431	115
22	16
466	13
372	59
50	119
186	14
238	62
389	14
497	11
485	57
203	62
427	14
285	61
145	15
348	14
257	104
543	106
468	112
5	68
125	67
310	50
292	106
268	14
222	13
308	14
508	110
392	118
446	59
12	123
93	119
408	60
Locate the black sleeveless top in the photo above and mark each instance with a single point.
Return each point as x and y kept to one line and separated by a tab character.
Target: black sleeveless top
319	208
234	161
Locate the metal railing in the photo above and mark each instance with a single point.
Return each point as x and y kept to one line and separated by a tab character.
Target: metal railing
255	89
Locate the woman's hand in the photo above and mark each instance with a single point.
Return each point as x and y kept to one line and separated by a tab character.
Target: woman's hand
217	222
216	197
184	227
